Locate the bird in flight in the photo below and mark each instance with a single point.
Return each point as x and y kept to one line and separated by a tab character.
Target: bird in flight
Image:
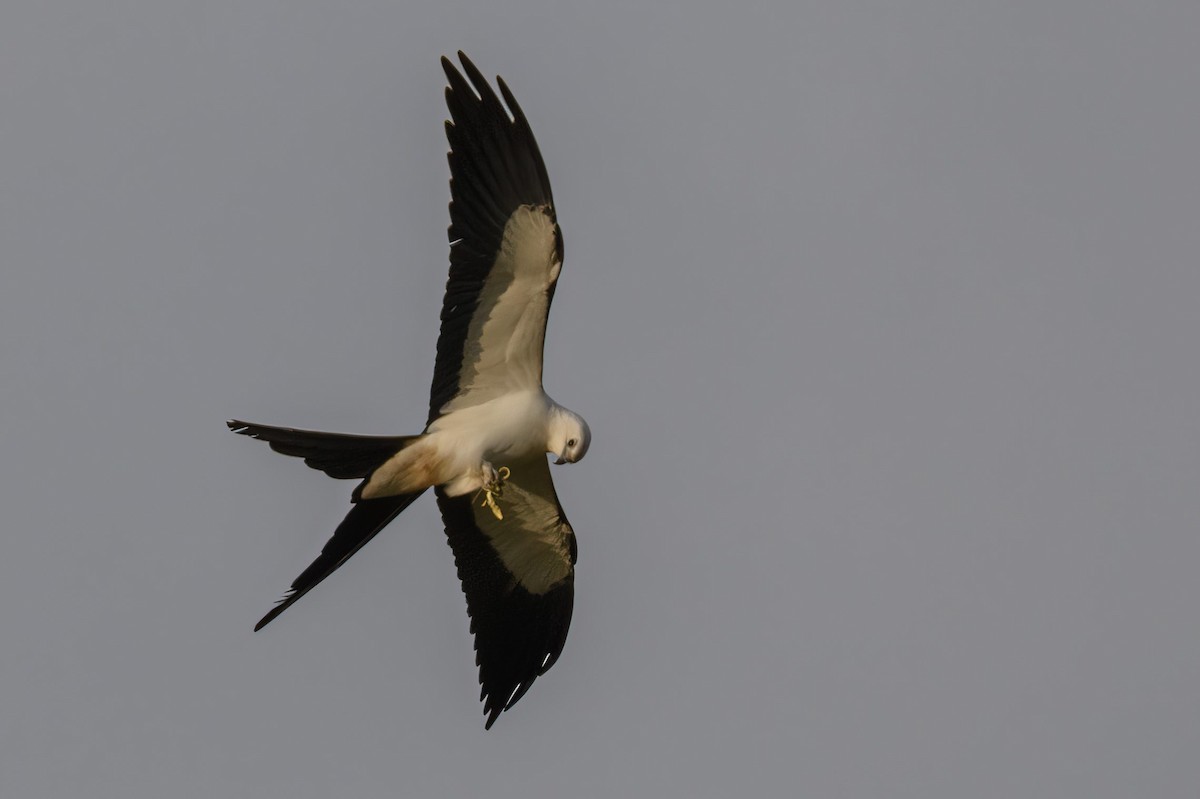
483	449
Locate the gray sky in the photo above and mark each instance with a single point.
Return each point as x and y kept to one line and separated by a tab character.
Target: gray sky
884	317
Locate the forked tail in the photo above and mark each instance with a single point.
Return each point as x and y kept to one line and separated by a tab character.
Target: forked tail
344	457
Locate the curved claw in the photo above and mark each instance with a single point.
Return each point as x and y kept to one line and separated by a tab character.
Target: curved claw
494	489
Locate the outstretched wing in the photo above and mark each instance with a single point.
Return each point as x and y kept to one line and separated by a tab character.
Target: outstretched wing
519	579
505	249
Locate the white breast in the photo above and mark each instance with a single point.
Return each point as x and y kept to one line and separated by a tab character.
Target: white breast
510	426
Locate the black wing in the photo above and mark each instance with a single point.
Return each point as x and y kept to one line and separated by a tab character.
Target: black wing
500	202
519	579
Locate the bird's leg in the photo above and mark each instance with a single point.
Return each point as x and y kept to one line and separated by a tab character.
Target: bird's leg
493	487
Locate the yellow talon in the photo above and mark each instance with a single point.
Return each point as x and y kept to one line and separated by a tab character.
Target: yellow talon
490	501
495	490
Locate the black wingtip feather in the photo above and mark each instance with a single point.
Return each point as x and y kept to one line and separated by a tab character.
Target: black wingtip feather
495	167
518	635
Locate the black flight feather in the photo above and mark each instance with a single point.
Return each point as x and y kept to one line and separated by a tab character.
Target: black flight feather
518	634
495	168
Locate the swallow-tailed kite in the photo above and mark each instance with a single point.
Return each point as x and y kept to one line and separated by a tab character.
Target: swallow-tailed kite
483	450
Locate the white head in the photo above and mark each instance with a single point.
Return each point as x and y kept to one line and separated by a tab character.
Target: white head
569	436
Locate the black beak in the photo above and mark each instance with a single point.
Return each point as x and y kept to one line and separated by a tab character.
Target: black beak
560	461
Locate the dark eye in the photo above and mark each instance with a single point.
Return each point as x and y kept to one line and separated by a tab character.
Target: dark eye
572	442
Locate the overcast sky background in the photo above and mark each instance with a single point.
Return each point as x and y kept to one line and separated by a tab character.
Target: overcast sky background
884	316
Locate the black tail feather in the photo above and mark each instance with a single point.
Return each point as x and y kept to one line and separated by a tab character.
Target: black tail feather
361	524
337	454
345	457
